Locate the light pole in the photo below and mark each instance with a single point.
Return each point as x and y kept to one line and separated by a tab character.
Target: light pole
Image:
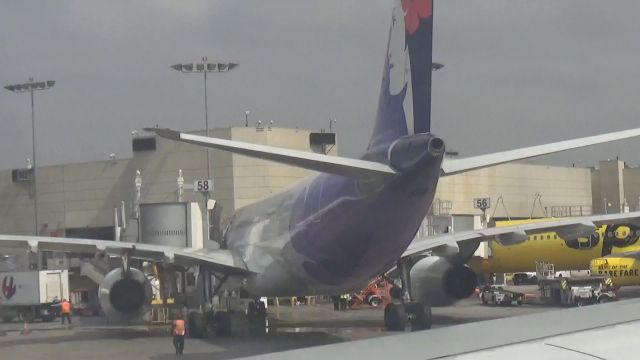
30	87
246	118
205	67
331	122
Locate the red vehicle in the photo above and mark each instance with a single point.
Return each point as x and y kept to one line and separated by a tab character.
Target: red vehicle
375	294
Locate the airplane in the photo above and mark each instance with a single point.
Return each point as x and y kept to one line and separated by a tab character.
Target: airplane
334	231
607	249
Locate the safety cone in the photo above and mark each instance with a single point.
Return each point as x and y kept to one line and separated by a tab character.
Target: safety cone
25	329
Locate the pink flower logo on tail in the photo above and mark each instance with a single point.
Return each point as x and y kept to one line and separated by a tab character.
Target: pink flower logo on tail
414	10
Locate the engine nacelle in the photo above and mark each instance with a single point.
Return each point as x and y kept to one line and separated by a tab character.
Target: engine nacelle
513	238
435	281
125	298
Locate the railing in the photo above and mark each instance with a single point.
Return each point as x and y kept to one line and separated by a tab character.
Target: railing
571	210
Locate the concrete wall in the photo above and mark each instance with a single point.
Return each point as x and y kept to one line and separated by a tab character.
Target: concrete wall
517	184
615	185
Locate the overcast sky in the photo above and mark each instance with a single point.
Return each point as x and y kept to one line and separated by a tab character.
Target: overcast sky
517	72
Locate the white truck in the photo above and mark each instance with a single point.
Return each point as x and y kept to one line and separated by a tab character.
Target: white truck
32	294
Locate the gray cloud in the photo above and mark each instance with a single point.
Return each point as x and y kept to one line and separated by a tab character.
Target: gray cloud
517	72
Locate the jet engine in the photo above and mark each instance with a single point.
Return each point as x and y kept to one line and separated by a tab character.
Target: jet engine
125	295
437	282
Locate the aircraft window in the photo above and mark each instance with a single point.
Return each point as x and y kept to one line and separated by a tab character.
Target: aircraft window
548	237
535	238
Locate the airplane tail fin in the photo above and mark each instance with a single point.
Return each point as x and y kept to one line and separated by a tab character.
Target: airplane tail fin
404	105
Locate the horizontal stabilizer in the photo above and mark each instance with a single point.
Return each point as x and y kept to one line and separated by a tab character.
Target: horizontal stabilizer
307	160
455	166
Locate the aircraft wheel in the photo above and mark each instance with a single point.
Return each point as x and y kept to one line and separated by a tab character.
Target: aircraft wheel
375	301
419	316
223	324
395	317
196	326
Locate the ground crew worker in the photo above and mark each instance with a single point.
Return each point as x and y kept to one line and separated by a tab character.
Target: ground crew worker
65	311
178	331
344	299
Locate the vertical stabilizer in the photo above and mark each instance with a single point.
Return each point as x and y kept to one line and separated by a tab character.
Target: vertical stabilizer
404	106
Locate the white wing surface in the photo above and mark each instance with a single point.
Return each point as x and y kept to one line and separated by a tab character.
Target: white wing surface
455	166
605	331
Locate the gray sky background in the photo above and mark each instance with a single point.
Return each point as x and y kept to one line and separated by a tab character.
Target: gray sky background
517	72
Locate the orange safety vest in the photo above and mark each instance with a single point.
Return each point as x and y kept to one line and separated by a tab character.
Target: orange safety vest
65	307
179	328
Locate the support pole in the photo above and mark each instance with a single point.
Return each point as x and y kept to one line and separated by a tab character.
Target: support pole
405	278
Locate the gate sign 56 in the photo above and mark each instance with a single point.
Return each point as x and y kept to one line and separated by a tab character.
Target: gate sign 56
482	203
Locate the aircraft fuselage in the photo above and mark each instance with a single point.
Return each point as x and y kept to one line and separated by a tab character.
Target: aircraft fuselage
330	233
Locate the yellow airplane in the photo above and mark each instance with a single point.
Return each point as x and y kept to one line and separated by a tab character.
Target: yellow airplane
609	251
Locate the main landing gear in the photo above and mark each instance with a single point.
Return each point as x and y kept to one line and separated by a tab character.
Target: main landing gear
403	311
208	320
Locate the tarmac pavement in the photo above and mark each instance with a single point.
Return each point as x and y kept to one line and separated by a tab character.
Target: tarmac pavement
288	328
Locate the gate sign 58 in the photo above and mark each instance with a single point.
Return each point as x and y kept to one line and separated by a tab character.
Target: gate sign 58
204	185
482	203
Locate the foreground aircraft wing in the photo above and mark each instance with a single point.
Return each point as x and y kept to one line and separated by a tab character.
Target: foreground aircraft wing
568	228
455	166
311	161
605	331
220	260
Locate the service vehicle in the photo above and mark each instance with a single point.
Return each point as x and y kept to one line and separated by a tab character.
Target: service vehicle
576	291
497	295
32	295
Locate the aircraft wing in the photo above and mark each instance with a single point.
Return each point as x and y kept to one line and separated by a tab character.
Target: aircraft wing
605	331
455	166
565	227
220	260
306	160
